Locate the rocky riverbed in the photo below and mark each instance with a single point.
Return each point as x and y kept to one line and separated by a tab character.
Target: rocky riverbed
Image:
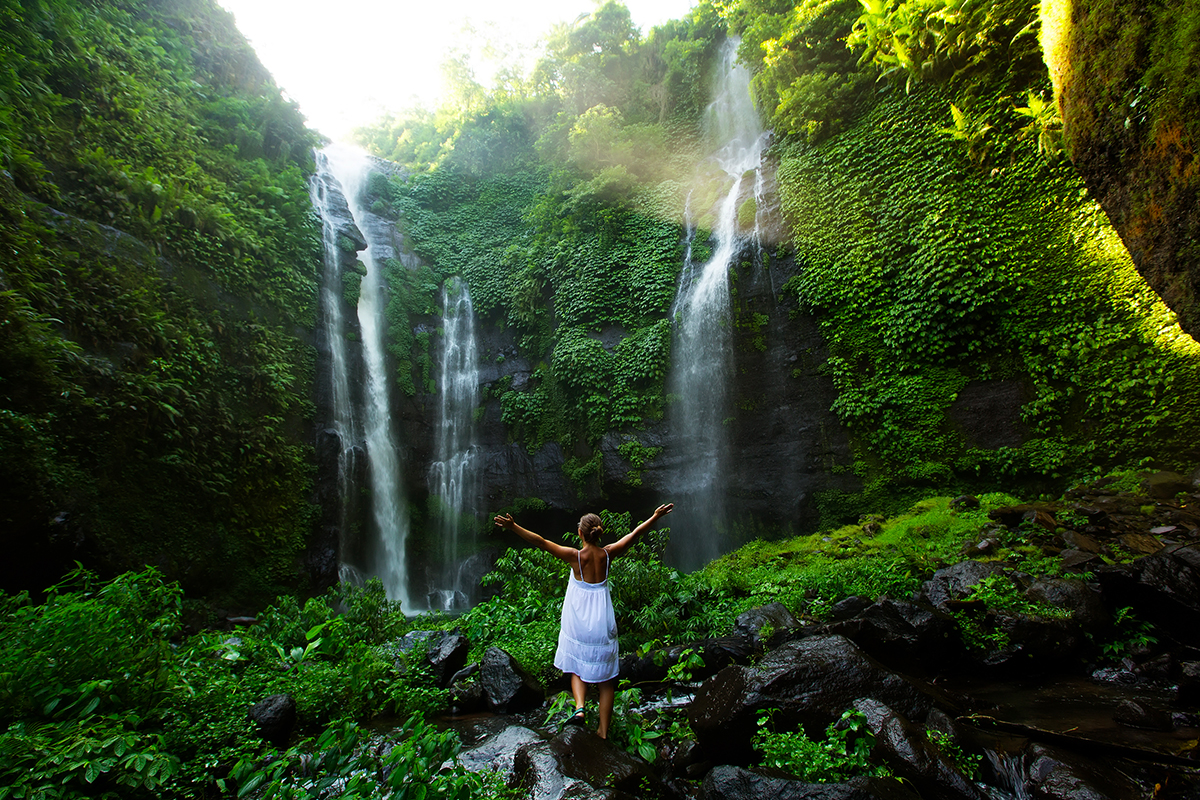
988	682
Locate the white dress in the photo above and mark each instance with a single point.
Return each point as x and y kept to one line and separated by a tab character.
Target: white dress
587	639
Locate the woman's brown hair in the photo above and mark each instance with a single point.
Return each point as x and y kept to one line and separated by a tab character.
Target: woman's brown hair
590	528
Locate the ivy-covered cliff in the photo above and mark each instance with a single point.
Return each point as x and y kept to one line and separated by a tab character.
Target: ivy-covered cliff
976	319
158	284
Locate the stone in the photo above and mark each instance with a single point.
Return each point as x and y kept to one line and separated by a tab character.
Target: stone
1165	485
1040	514
811	681
964	502
955	582
1081	541
1136	714
507	685
275	716
912	757
1187	691
735	783
848	608
1085	604
578	764
1077	560
1055	774
1167	592
904	636
498	753
1140	543
750	623
443	652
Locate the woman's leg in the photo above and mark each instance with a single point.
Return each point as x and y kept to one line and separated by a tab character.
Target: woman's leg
608	690
578	690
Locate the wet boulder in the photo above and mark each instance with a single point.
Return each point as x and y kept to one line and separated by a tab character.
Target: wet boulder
275	716
1056	774
1168	588
498	752
905	636
442	652
1137	714
774	618
956	582
912	757
735	783
507	685
811	681
578	764
1085	603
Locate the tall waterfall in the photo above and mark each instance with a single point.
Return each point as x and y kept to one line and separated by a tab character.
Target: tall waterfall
702	350
384	554
453	480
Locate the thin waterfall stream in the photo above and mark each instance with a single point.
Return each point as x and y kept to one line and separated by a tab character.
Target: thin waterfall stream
453	478
702	350
385	547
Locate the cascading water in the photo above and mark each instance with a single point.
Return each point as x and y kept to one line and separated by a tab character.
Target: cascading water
342	420
702	349
452	477
388	525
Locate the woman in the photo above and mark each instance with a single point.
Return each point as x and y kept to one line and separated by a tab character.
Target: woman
587	639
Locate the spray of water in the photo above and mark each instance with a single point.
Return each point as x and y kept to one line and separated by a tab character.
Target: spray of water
386	556
452	477
702	359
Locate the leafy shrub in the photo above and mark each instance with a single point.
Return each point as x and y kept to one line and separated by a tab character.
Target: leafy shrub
844	753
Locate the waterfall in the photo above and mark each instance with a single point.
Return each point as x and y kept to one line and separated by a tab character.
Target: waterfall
384	555
702	350
335	217
452	477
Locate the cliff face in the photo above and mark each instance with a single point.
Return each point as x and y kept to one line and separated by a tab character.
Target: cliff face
1124	75
158	294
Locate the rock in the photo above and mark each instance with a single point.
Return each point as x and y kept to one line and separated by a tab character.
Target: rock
275	716
964	502
955	582
1040	514
448	657
498	753
904	636
1081	541
848	607
1077	560
1187	692
1165	485
910	755
1140	543
750	623
1085	604
507	686
735	783
1168	589
443	652
578	764
811	681
1135	714
1055	774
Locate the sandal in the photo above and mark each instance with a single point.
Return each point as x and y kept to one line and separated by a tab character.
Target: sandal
577	718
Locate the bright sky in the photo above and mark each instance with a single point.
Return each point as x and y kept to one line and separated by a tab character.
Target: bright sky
346	62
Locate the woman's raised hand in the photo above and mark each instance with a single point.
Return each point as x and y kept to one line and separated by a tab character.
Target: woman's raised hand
662	511
505	521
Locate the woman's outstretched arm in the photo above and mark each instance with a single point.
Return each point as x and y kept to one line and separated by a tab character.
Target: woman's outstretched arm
625	542
555	549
